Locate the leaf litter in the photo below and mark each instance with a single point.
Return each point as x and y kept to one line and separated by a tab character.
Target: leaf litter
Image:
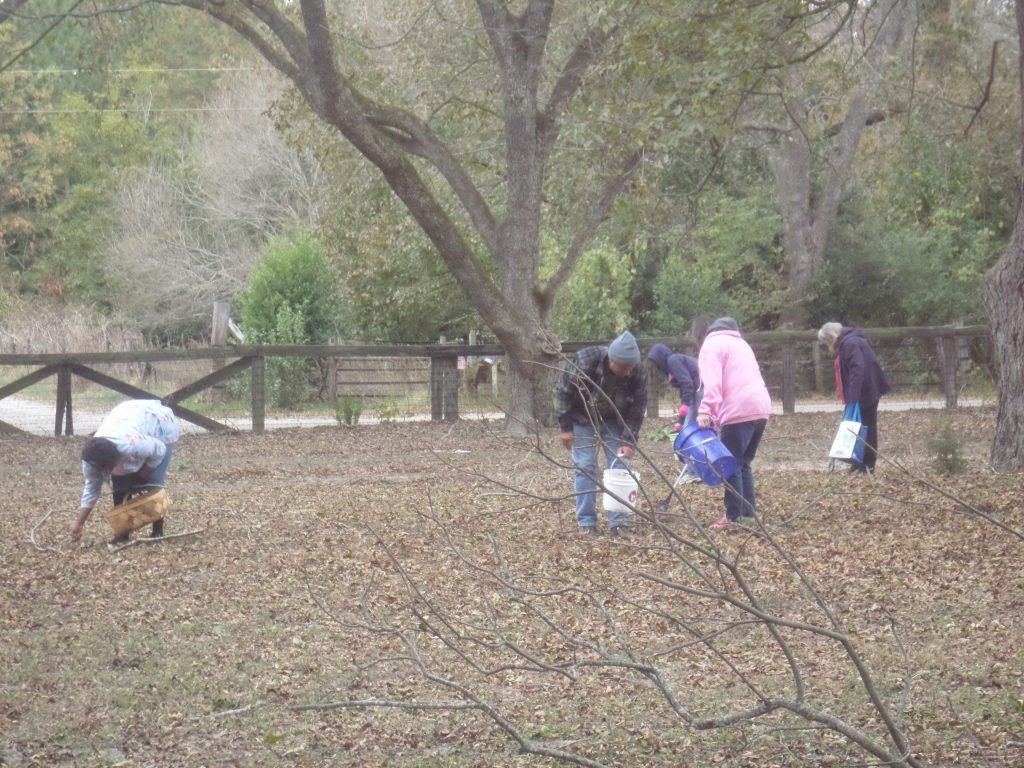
440	566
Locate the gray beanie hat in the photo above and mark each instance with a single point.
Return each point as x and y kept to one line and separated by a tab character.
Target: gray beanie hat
624	350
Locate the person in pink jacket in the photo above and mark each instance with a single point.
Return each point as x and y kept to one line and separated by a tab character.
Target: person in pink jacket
737	402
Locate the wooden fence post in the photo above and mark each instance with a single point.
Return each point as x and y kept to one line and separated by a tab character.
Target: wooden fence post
436	404
471	363
654	379
444	388
63	403
819	376
332	379
788	377
451	390
219	324
258	394
219	338
949	360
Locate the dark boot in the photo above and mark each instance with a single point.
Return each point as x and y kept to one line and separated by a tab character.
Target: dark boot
158	530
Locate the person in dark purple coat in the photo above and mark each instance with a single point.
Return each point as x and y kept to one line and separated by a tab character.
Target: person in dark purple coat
682	373
860	379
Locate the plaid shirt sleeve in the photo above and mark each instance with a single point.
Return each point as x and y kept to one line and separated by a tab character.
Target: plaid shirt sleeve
582	367
634	418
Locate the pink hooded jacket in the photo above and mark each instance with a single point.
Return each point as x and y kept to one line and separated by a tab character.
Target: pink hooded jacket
734	391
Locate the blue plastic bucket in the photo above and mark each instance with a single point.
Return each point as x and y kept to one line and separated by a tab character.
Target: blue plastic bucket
702	450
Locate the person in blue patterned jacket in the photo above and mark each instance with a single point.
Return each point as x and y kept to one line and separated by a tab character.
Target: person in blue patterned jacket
601	399
131	447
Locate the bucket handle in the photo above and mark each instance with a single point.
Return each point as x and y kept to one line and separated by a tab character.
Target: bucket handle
622	460
705	442
140	489
145	487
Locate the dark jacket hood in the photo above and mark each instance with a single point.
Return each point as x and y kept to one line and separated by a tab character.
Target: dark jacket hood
659	355
850	332
724	324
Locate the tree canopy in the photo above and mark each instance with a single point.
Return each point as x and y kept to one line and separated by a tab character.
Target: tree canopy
542	169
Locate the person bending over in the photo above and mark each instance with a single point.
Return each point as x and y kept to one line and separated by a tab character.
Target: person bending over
132	447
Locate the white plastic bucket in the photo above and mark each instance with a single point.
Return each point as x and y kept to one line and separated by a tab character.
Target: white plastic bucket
624	484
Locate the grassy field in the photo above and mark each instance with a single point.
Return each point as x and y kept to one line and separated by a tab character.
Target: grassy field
418	596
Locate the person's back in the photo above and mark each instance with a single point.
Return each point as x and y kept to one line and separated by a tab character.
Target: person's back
144	418
734	390
682	370
132	448
737	401
863	379
860	379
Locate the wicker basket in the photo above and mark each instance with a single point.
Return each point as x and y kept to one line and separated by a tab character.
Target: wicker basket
138	511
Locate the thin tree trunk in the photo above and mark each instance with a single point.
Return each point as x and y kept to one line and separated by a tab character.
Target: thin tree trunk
809	206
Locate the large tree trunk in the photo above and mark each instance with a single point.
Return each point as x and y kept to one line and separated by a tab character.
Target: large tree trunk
1004	302
531	392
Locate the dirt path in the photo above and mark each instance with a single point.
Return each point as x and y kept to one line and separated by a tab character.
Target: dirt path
37	418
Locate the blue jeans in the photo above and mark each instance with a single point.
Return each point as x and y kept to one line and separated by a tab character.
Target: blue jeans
584	458
742	440
121	485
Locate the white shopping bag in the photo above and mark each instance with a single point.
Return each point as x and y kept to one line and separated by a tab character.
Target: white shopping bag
848	444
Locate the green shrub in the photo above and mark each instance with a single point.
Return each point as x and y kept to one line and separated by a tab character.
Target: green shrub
662	434
293	272
947	451
388	411
595	301
286	378
348	409
730	266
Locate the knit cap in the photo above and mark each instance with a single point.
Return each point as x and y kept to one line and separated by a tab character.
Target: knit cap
624	350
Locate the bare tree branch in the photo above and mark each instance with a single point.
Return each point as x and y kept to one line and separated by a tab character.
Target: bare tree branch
8	8
986	91
599	212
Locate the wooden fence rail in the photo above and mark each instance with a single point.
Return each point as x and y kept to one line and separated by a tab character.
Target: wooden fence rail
789	349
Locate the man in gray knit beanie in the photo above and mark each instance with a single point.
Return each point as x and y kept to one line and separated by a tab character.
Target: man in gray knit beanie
602	397
624	350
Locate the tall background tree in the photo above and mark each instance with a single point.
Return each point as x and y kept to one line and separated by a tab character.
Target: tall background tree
96	98
813	116
572	99
199	220
1004	301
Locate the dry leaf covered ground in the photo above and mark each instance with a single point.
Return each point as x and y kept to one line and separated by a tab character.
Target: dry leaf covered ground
439	565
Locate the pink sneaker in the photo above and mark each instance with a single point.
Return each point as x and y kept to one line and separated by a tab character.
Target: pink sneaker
725	522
